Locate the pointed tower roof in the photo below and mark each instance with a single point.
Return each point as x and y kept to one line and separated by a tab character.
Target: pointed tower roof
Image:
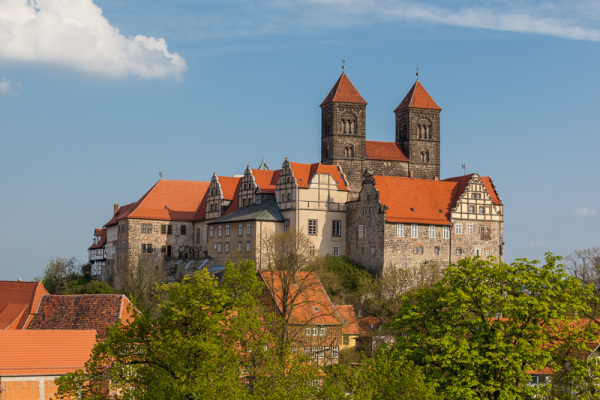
343	92
263	165
417	97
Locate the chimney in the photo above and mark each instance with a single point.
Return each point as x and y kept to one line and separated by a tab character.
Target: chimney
437	178
411	175
116	208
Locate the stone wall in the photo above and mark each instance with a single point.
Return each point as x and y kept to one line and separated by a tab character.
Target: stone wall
387	168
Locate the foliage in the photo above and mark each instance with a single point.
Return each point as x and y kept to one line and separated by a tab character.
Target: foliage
209	341
139	277
352	276
451	329
58	274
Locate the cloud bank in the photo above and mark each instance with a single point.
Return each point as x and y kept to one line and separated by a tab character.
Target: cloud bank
74	33
6	86
584	212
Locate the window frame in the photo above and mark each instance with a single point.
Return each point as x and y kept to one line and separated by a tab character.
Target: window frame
414	231
313	227
400	230
336	228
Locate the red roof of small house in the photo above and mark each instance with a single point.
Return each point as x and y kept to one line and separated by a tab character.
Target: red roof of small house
346	312
122	212
369	325
304	174
83	311
386	151
49	352
307	299
171	200
266	180
102	240
98	232
463	181
228	186
417	97
343	92
19	302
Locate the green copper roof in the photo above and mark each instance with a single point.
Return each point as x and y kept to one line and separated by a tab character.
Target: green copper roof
263	165
266	211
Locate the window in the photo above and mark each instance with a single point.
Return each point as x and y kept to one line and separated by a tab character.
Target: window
286	225
312	250
477	253
458	229
335	351
219	250
163	249
240	229
321	331
446	232
169	229
240	247
308	331
436	250
220	231
248	228
459	251
183	230
211	231
360	231
336	228
248	246
336	250
289	197
488	253
418	250
226	247
472	209
143	228
414	231
373	250
481	210
315	330
400	230
346	340
197	235
431	231
244	203
312	226
227	230
146	247
146	228
469	229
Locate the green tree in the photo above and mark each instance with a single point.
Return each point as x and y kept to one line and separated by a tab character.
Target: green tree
485	324
58	274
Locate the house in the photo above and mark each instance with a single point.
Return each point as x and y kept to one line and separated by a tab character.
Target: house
312	322
350	328
32	359
97	253
19	302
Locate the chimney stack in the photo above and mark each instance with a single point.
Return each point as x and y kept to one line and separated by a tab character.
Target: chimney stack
437	178
116	209
411	175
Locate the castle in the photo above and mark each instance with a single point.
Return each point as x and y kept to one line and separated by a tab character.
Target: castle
382	204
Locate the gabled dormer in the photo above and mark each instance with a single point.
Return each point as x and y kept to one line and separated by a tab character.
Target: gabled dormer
478	199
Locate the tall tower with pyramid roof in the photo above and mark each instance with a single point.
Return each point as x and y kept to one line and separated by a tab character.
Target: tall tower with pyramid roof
418	131
343	116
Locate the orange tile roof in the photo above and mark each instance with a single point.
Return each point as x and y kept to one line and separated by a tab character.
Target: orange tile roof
82	311
463	181
228	186
417	97
418	201
266	180
343	92
369	325
171	200
102	240
51	352
309	302
123	212
349	320
98	231
19	301
489	185
386	151
304	173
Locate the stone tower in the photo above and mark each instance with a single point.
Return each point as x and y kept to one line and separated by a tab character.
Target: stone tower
418	130
343	115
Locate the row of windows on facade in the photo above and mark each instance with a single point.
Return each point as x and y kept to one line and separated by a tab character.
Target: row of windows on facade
459	251
97	268
313	250
219	247
414	231
320	352
336	227
164	229
211	230
424	131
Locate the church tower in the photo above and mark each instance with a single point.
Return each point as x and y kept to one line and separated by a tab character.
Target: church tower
418	130
343	114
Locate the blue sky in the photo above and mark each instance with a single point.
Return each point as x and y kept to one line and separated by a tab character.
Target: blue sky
96	98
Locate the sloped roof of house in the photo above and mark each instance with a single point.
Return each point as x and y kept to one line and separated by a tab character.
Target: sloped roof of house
84	311
385	151
369	325
343	92
417	97
307	299
266	180
19	302
229	185
346	312
44	352
122	212
102	240
304	173
266	211
423	201
171	200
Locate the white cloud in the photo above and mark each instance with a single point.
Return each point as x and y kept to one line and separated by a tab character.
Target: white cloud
74	33
537	243
7	86
584	212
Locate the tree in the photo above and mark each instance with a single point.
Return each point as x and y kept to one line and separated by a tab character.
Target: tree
485	324
208	342
139	277
59	272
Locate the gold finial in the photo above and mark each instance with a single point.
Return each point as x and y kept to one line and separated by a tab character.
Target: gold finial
417	73
343	65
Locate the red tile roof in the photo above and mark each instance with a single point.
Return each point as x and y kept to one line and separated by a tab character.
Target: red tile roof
343	92
417	97
346	312
369	325
35	353
98	232
463	181
123	212
19	302
84	311
102	240
228	186
266	180
171	200
304	173
307	299
386	151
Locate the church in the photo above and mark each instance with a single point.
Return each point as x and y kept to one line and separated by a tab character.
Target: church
381	204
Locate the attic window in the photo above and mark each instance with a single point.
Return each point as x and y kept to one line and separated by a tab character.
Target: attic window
316	308
412	209
440	210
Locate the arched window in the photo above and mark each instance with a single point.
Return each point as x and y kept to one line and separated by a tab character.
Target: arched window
427	156
422	157
420	132
349	151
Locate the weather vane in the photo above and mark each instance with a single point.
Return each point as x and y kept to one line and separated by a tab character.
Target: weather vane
417	73
464	167
160	175
343	65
